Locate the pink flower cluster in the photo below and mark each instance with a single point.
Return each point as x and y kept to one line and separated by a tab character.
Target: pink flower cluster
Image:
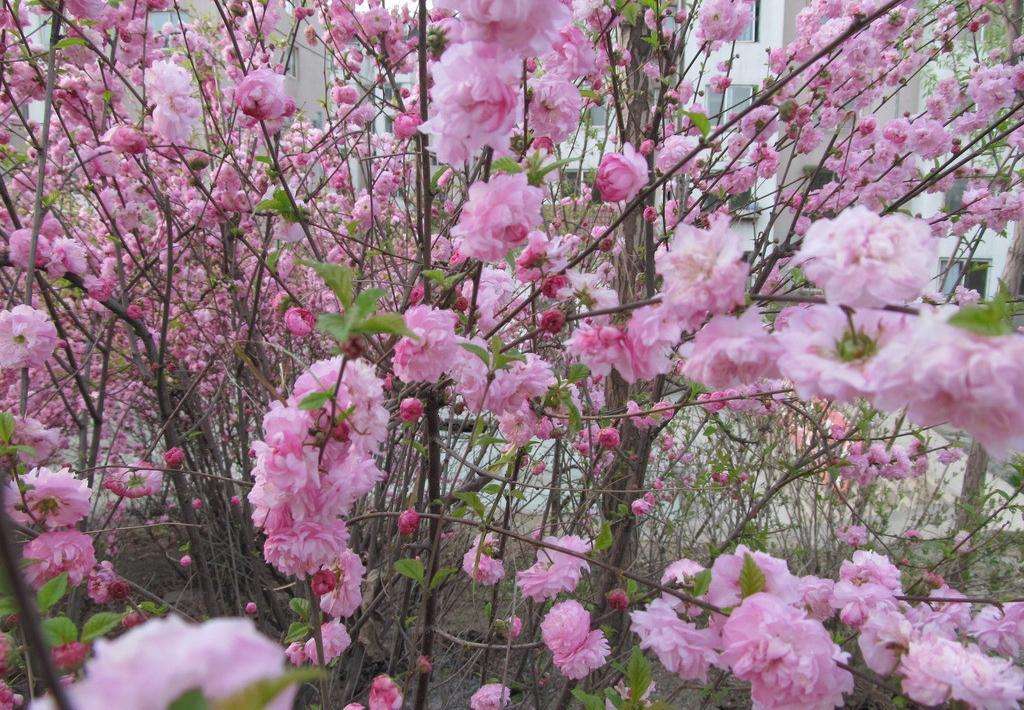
27	337
577	649
497	217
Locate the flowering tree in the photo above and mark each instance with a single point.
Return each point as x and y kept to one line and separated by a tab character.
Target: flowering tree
463	394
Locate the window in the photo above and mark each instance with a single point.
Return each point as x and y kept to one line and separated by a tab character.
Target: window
750	33
974	277
735	98
157	20
598	115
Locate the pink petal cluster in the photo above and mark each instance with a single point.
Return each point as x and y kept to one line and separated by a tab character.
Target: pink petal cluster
133	482
261	95
170	87
729	351
1000	630
497	217
866	582
523	26
53	499
474	102
937	670
55	552
432	350
492	696
788	659
27	337
347	595
861	259
554	571
479	561
679	645
621	175
576	649
219	657
724	590
721	21
703	273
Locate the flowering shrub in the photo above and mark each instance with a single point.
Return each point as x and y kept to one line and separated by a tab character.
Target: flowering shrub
511	354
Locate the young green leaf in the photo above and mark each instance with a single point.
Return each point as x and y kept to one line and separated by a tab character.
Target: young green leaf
59	630
752	578
315	400
100	624
604	538
51	592
337	277
638	673
413	569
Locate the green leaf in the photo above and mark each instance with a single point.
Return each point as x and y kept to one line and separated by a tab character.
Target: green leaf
100	624
190	700
335	325
700	121
392	323
298	631
604	538
441	575
51	592
752	578
413	569
59	630
701	583
638	673
279	204
366	302
259	694
506	165
478	351
338	277
300	606
472	500
70	42
577	373
6	427
315	400
590	702
992	318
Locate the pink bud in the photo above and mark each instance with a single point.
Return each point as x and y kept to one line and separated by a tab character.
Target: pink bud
410	410
618	599
174	457
608	438
185	561
235	500
552	321
299	321
408	522
646	147
197	503
324	582
251	609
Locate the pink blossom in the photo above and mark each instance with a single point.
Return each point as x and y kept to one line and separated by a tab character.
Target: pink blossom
554	571
672	152
492	696
53	499
853	535
724	590
608	438
346	596
576	649
861	259
219	657
27	337
306	546
299	321
133	481
789	659
432	350
105	585
722	20
410	410
408	521
936	669
479	562
816	596
525	26
170	86
474	100
621	175
497	217
335	640
406	125
641	507
261	95
554	108
680	646
703	273
826	353
866	582
884	637
731	351
125	139
55	552
942	373
1000	630
385	694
